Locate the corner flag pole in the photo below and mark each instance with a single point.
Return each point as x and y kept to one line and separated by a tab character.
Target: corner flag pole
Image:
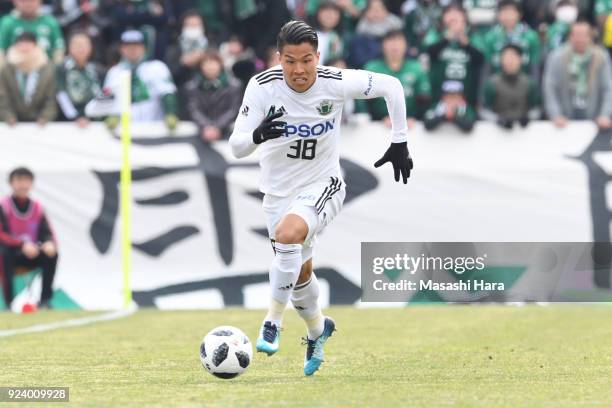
126	187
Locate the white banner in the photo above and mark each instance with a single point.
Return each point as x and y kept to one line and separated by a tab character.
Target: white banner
198	227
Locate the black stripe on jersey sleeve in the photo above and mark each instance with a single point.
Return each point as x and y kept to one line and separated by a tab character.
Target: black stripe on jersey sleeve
268	72
329	72
330	77
270	79
328	69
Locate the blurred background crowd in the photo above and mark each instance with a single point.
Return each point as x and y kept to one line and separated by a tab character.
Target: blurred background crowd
504	61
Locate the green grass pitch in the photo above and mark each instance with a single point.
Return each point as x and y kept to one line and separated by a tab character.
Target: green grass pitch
420	356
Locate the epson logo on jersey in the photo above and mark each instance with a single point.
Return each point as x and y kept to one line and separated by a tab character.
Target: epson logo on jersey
305	130
309	197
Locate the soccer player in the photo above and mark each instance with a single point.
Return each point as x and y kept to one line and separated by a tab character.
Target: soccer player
292	114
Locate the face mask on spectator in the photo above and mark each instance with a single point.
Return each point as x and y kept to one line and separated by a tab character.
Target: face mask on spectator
567	14
192	33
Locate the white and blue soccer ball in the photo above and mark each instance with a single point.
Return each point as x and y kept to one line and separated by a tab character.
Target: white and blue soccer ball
226	352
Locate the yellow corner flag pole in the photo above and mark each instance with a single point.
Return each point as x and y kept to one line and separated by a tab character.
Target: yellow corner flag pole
126	188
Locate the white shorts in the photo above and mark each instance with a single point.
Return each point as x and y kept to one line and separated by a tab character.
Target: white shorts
317	204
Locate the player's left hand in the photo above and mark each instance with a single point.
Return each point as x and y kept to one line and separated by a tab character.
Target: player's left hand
399	157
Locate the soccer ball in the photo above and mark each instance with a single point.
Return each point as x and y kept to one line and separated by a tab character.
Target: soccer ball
226	352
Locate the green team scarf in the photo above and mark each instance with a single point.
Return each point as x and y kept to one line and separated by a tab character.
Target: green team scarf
140	92
213	84
578	68
81	84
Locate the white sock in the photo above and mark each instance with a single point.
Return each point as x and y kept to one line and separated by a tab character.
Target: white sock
284	273
275	312
305	298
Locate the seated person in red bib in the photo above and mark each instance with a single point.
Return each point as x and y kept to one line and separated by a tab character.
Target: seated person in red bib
26	237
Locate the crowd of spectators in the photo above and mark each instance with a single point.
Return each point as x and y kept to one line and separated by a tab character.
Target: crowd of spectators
506	61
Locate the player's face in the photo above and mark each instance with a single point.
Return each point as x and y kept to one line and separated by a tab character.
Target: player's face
299	64
21	186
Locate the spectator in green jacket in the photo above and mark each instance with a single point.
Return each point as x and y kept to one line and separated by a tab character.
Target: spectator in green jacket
28	17
511	96
455	65
566	12
511	30
410	73
79	79
420	16
454	56
453	107
481	15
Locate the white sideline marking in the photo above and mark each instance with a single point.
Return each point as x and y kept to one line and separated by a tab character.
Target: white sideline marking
37	328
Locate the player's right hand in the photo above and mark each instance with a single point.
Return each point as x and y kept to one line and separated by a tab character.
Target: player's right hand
269	129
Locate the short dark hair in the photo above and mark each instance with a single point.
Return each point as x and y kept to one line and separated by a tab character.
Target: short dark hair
394	33
191	13
328	4
77	33
565	3
212	54
26	36
453	6
516	48
580	21
21	172
296	32
509	3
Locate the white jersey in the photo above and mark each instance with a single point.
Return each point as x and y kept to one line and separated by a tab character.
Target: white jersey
308	151
151	82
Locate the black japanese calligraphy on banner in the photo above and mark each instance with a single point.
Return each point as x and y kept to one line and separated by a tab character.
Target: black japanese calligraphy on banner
199	236
213	167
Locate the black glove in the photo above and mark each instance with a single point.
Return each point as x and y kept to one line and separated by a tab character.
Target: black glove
399	157
269	128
